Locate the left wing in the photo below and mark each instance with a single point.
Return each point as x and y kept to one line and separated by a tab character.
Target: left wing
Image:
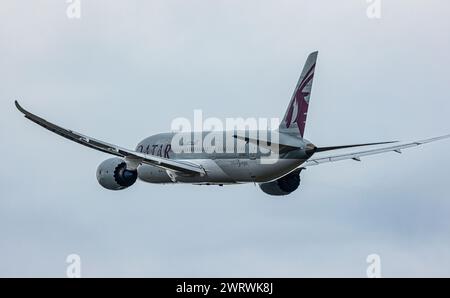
357	155
133	157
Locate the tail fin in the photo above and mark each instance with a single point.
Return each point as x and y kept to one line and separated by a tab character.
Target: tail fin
295	118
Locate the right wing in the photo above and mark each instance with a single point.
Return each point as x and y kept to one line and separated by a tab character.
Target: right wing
130	155
357	155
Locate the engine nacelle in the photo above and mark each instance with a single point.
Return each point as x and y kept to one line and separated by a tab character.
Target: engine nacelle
283	186
113	174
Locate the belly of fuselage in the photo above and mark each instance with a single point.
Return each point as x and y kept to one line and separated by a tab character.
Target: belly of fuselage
223	171
256	170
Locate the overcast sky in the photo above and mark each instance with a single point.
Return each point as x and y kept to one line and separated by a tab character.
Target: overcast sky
125	69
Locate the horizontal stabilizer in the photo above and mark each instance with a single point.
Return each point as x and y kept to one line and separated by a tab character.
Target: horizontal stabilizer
322	149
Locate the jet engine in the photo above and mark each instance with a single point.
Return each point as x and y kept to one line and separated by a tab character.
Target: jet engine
282	186
113	174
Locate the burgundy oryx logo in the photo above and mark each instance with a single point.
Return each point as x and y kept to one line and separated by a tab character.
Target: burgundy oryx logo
299	104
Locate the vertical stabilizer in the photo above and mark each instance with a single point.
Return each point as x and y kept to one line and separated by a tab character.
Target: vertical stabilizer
294	120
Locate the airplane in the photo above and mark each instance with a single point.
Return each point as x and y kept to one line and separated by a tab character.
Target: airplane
155	159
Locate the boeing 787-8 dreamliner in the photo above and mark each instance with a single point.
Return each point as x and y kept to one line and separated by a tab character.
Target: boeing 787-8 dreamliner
271	158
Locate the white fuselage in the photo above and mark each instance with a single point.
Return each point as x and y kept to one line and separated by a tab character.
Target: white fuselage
235	163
